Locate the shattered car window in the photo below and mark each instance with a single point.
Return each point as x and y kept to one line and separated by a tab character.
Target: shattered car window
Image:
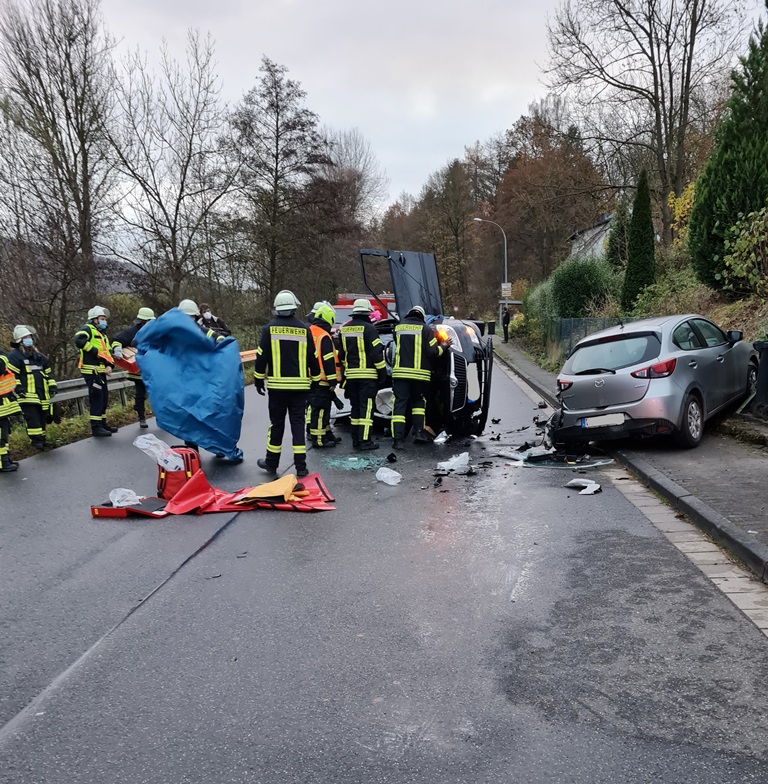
613	353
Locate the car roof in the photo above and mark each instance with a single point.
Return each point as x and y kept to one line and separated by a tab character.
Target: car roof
645	325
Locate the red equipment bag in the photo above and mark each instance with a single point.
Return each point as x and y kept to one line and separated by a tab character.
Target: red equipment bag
170	482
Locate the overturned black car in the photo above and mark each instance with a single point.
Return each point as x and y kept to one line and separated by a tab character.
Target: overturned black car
460	389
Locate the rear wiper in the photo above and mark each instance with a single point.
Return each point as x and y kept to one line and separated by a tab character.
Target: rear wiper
594	371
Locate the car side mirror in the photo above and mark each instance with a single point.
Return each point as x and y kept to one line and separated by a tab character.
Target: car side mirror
734	336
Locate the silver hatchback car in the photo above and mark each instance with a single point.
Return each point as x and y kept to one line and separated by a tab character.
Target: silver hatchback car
665	375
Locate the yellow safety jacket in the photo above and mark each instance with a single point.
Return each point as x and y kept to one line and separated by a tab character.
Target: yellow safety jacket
286	355
8	403
95	355
33	375
327	356
415	349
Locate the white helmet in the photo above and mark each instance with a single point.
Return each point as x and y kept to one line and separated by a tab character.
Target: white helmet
417	310
21	331
146	314
189	307
97	311
286	302
362	305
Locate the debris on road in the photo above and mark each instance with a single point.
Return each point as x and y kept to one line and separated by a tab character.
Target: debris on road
458	464
388	476
589	486
496	421
121	496
391	457
441	438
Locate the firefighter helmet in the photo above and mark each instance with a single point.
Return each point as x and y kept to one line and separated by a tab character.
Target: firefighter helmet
189	307
362	305
417	310
326	313
21	331
286	302
146	314
97	311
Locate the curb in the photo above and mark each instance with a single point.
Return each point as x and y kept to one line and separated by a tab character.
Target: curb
723	531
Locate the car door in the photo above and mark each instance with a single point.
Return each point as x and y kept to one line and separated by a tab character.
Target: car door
721	363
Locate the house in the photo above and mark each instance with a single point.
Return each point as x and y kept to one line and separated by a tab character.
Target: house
591	241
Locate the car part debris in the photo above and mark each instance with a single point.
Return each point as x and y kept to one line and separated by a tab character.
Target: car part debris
388	476
458	464
441	438
496	421
391	457
589	486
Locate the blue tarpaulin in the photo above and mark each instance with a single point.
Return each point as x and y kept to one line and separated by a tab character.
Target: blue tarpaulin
194	384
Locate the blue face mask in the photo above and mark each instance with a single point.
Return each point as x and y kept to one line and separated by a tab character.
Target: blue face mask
27	342
102	323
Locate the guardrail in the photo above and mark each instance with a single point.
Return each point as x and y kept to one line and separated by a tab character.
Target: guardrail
76	389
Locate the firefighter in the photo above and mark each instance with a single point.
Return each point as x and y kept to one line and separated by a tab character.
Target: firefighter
124	339
8	406
189	307
286	359
362	355
35	387
416	349
322	394
96	364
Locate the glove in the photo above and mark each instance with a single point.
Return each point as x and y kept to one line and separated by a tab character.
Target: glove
259	384
117	352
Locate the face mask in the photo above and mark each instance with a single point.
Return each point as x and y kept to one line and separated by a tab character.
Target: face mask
27	342
102	323
208	315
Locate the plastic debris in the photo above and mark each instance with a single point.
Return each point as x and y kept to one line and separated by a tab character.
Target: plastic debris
441	438
589	486
121	496
541	404
388	476
391	457
496	421
160	452
458	464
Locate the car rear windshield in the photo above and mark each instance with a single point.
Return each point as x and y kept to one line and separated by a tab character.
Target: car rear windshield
613	353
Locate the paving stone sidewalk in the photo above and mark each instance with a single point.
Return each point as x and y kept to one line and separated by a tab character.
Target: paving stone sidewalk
721	483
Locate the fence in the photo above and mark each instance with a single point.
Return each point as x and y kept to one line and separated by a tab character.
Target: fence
567	332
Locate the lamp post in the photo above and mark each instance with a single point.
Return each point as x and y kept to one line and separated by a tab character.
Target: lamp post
503	234
506	278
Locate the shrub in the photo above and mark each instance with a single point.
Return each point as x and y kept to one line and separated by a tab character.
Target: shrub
746	260
641	244
579	284
677	290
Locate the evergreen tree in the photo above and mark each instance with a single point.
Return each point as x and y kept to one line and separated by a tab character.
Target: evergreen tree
641	256
735	180
616	252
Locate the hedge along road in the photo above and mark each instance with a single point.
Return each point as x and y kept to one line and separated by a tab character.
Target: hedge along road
492	628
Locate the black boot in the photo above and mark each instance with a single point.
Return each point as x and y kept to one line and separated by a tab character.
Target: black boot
367	446
100	432
301	471
270	468
329	439
8	465
397	443
108	427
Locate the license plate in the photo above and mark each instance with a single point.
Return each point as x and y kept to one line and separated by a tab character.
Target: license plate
606	420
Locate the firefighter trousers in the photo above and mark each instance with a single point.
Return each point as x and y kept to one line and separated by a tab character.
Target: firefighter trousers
362	394
98	397
5	434
35	419
294	404
320	414
409	397
139	398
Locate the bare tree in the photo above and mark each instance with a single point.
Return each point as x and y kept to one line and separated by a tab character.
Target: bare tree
55	170
645	65
168	137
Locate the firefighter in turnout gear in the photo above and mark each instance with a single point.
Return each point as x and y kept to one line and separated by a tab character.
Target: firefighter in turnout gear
286	359
123	340
8	406
35	387
322	394
362	355
96	364
416	349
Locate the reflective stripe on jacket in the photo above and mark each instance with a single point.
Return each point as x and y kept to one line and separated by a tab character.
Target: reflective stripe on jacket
95	355
361	349
415	350
33	375
286	355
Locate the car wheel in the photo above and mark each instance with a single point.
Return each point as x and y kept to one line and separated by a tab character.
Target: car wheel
691	429
751	378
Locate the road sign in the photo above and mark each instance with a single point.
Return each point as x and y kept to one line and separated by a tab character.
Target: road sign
506	291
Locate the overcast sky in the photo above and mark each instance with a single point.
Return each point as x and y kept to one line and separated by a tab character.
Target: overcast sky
420	78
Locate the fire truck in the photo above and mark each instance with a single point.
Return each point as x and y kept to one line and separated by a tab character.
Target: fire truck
383	305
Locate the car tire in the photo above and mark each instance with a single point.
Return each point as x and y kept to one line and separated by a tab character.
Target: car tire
691	429
751	379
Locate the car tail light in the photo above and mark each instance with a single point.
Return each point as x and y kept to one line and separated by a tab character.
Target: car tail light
659	370
563	385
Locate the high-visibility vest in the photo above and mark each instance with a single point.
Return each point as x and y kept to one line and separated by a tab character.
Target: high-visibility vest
7	383
318	333
97	341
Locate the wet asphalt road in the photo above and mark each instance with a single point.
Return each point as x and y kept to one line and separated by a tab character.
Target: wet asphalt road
496	628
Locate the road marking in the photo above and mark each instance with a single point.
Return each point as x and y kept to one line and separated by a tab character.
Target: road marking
740	586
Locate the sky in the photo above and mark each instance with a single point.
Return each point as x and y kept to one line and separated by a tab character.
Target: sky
420	79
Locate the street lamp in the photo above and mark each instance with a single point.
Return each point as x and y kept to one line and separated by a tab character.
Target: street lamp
483	220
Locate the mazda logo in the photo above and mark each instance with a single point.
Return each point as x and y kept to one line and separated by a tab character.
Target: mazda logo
599	382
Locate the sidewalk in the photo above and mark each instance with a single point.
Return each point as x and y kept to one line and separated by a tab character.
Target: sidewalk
720	485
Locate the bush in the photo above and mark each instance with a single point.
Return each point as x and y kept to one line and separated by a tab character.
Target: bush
580	284
539	310
677	290
746	260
